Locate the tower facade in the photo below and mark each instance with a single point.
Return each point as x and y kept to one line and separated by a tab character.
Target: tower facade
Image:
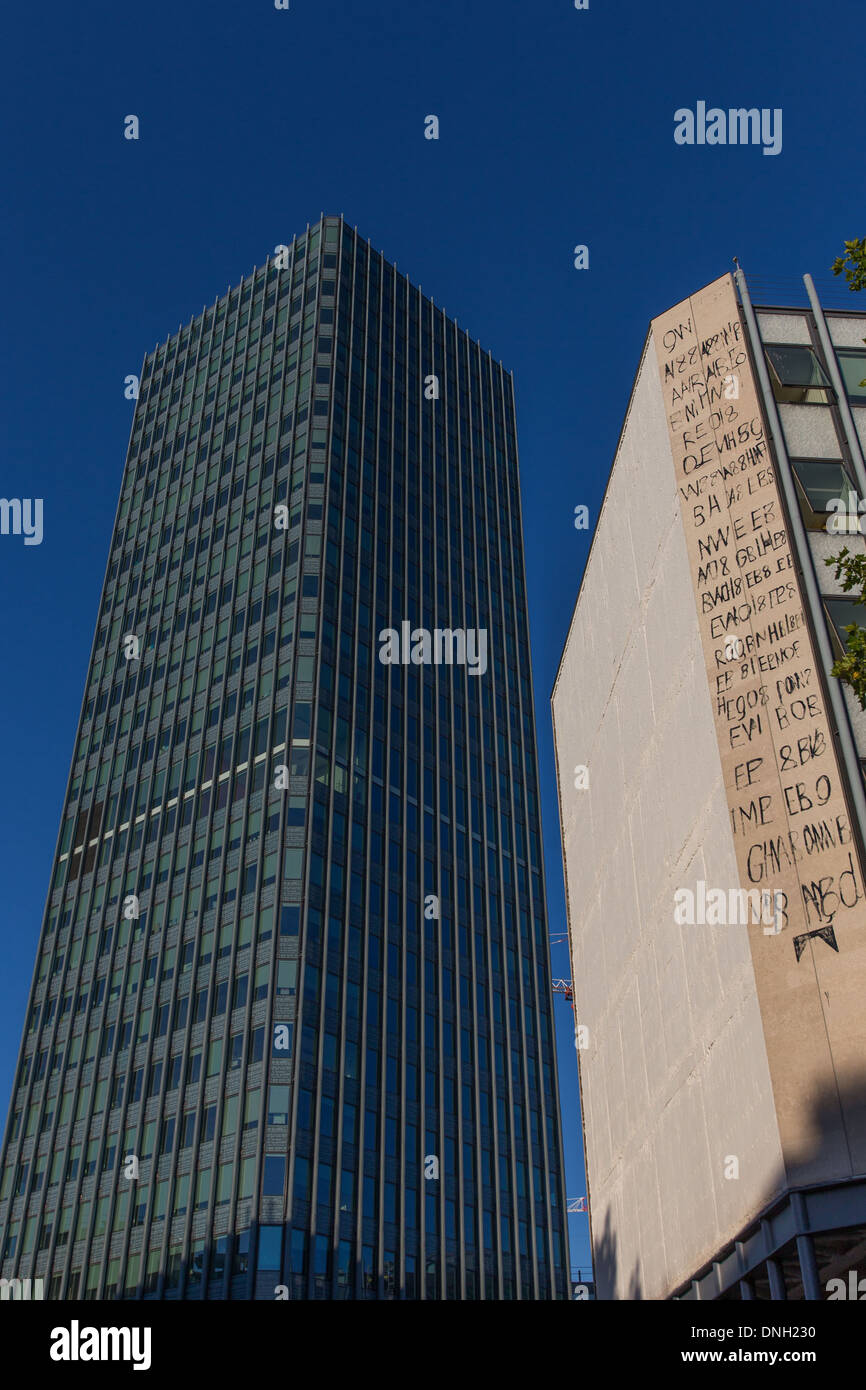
290	1031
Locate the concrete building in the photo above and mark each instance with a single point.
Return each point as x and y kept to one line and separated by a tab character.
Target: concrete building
705	753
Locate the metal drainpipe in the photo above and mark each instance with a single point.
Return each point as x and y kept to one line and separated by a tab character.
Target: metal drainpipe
837	700
806	1249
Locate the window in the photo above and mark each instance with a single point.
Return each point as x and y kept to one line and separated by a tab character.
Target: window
229	1116
287	976
218	1261
274	1178
852	364
148	1138
240	1260
225	1174
257	1046
202	1189
289	921
172	1272
215	1057
819	483
138	1213
195	1267
167	1140
796	375
843	612
151	1280
181	1195
270	1242
187	1133
252	1110
278	1105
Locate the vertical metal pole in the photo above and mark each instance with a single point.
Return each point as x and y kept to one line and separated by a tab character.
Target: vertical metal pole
777	1282
774	1268
806	1250
838	385
809	1269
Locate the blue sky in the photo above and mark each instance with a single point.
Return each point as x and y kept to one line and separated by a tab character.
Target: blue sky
556	129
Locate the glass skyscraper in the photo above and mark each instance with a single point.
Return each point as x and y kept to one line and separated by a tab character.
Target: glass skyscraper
290	1032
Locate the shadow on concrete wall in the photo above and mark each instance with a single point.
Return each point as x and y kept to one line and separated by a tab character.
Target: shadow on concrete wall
832	1149
606	1265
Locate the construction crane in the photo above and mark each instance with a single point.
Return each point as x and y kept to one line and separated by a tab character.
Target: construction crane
575	1204
564	987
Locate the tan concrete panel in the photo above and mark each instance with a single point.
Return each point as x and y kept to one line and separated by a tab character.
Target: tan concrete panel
788	814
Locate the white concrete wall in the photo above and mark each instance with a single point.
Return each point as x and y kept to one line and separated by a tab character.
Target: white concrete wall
783	328
675	1077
